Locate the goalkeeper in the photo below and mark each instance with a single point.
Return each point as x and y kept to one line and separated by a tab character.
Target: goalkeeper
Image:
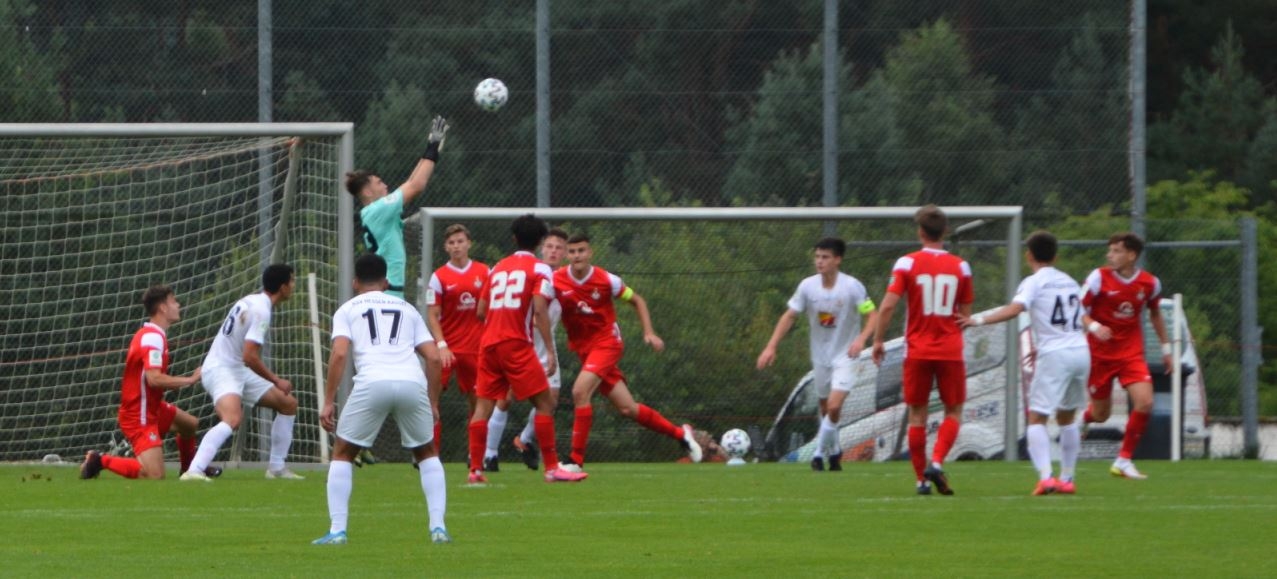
382	211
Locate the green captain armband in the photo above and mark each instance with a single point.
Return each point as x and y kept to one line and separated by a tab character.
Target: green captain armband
866	307
627	294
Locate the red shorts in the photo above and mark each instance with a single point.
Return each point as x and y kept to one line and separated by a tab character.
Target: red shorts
510	365
602	362
144	437
949	376
1127	372
466	366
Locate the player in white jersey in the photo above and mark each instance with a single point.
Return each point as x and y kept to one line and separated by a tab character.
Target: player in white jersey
1062	359
834	303
553	249
385	335
234	373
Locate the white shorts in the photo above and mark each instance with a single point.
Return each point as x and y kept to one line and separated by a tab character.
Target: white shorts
368	405
840	375
1059	380
239	380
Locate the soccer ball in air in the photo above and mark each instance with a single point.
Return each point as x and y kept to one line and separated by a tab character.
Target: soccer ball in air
735	443
491	94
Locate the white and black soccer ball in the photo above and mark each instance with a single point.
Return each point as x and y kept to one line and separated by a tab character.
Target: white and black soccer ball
491	94
735	443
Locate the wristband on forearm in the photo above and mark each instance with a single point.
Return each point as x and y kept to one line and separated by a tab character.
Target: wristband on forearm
432	152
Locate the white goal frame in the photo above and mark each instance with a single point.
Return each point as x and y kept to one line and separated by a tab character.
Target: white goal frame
343	132
1013	214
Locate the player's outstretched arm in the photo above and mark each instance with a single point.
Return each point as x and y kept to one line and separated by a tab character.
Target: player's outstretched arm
157	378
426	166
645	319
336	370
768	356
999	315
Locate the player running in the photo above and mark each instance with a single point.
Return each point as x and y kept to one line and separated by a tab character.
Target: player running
1061	359
144	416
234	373
937	286
515	298
834	303
385	335
382	213
452	301
1114	297
587	294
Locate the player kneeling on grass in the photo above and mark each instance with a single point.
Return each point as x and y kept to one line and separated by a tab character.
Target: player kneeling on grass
1062	359
144	415
385	334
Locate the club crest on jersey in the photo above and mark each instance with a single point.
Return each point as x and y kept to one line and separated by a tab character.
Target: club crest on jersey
1140	296
478	283
827	319
594	295
1125	311
153	437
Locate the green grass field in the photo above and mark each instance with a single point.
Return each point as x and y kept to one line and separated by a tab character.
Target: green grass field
655	520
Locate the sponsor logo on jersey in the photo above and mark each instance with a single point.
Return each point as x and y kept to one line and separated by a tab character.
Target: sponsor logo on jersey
584	308
1125	311
467	301
450	287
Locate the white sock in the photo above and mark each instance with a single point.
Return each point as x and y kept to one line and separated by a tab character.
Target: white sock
829	436
281	437
1070	446
1039	449
209	445
340	482
529	430
496	429
436	491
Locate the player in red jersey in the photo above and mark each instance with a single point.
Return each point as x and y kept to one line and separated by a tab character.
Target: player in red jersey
1113	297
588	295
938	288
452	302
514	299
144	415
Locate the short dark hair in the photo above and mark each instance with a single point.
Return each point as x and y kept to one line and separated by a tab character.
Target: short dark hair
154	296
1043	246
357	180
276	276
933	222
578	238
1129	240
456	228
557	232
832	244
370	268
528	230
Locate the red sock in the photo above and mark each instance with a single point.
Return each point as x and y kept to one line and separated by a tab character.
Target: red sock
1087	418
544	427
918	449
1135	427
438	432
944	440
478	442
652	420
584	419
185	451
125	467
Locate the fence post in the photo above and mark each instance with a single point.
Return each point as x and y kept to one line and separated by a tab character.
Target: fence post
1250	331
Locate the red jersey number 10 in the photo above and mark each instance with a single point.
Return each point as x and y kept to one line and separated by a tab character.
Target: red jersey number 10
938	293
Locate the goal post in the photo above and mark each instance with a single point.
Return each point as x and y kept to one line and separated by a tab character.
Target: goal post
767	225
95	213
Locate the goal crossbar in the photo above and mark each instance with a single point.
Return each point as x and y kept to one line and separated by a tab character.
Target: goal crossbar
1012	214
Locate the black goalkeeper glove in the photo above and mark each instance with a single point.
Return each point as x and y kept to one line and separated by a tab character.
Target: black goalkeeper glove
438	131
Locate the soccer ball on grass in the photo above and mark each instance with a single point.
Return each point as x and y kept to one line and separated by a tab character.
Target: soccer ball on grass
491	94
735	443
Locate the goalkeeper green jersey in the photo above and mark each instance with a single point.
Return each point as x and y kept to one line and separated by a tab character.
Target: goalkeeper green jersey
383	234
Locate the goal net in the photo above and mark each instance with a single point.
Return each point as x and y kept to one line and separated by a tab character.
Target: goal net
94	214
716	281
